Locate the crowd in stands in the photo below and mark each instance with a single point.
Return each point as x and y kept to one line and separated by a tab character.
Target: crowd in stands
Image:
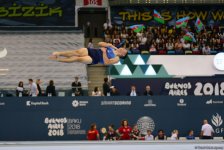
165	39
126	132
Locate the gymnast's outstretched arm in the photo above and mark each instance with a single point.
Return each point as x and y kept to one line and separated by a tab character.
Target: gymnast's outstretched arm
104	44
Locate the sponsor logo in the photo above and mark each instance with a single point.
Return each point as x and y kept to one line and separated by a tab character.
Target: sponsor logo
217	121
77	103
150	104
145	123
115	103
181	103
211	101
2	103
40	103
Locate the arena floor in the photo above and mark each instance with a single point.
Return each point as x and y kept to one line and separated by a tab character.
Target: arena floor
114	145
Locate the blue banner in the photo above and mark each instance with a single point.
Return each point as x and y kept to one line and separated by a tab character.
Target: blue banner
37	13
198	86
69	118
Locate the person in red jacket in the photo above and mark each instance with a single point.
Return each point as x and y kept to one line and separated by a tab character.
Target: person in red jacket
93	133
125	131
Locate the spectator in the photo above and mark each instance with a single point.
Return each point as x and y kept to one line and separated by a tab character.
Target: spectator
50	90
190	135
142	42
124	35
152	49
169	45
125	130
96	92
134	48
161	46
174	135
148	91
114	91
133	91
90	44
107	25
206	130
38	82
149	136
135	133
77	87
195	47
33	88
186	46
88	29
20	89
93	134
116	40
206	49
161	135
111	135
107	37
178	47
106	87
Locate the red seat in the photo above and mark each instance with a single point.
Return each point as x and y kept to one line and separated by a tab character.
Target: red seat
161	52
196	52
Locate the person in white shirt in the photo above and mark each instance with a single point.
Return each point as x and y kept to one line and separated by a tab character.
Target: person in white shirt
90	44
206	130
206	50
186	46
149	136
96	92
33	88
174	135
107	25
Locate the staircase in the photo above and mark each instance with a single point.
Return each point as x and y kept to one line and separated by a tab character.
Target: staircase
95	73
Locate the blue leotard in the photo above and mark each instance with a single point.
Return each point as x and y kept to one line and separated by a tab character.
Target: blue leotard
97	54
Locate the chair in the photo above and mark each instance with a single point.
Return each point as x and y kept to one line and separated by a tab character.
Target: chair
213	52
171	52
188	52
218	138
162	52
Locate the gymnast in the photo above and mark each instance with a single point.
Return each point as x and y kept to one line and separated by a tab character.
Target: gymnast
107	54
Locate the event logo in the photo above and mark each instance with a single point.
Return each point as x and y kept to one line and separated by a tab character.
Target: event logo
74	127
150	103
115	103
55	126
40	103
178	89
145	123
77	103
211	101
181	103
217	121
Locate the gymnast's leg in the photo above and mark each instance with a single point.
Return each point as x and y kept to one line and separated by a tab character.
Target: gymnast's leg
84	59
79	52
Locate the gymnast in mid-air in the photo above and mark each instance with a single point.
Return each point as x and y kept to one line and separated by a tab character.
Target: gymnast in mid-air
107	54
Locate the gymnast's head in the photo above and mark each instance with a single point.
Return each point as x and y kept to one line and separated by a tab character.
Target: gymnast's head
121	52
